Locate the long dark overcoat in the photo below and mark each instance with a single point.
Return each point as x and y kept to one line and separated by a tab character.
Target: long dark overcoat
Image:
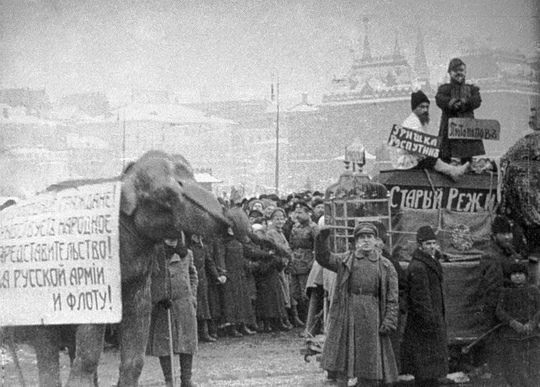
215	268
425	344
471	94
202	259
236	302
177	280
339	338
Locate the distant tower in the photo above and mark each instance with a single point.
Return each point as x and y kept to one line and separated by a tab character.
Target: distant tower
366	53
397	49
420	63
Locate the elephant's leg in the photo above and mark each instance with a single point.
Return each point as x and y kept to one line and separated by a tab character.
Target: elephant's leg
46	343
133	339
87	354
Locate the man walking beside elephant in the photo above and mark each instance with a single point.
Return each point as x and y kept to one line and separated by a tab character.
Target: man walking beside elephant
174	295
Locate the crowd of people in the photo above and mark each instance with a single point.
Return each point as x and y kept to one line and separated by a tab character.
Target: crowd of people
274	271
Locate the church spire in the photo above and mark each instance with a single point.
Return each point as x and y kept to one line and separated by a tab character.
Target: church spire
366	54
420	63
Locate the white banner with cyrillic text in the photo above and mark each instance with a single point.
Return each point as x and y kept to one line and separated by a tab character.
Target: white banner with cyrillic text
59	257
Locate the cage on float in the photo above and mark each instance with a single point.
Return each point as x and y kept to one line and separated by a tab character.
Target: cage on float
353	199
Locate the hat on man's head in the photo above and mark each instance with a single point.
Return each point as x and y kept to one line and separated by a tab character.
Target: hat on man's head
455	62
302	204
365	228
501	225
316	202
517	267
417	98
424	234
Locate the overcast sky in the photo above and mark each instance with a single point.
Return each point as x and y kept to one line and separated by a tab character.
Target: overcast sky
233	47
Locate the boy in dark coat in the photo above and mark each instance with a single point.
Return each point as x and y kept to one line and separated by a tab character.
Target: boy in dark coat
457	99
425	343
519	338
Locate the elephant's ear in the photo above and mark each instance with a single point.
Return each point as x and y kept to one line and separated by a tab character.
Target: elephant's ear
128	201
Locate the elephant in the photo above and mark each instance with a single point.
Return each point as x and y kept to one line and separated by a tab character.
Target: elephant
159	199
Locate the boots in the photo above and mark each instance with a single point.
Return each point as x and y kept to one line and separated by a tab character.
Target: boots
212	329
203	332
287	323
186	364
297	323
454	172
246	331
233	332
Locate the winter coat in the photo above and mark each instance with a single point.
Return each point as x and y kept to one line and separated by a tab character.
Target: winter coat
340	340
215	268
517	355
425	344
493	267
471	94
279	239
173	278
270	302
236	302
201	258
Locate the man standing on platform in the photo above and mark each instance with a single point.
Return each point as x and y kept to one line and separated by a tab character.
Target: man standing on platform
458	99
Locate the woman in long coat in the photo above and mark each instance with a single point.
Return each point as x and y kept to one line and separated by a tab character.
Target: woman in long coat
174	287
269	261
364	310
237	308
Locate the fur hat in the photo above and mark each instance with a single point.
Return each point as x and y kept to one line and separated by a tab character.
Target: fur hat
417	98
517	267
424	234
302	204
501	225
455	62
365	228
316	202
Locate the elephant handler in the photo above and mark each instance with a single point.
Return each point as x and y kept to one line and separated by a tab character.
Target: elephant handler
364	310
174	288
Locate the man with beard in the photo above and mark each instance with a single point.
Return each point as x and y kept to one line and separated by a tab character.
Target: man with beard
458	99
419	120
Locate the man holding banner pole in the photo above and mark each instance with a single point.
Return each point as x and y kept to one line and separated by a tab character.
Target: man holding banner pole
418	121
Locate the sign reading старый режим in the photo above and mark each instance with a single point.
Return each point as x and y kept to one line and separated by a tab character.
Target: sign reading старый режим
59	257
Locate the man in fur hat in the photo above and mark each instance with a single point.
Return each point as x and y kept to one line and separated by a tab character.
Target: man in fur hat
425	342
419	120
458	99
